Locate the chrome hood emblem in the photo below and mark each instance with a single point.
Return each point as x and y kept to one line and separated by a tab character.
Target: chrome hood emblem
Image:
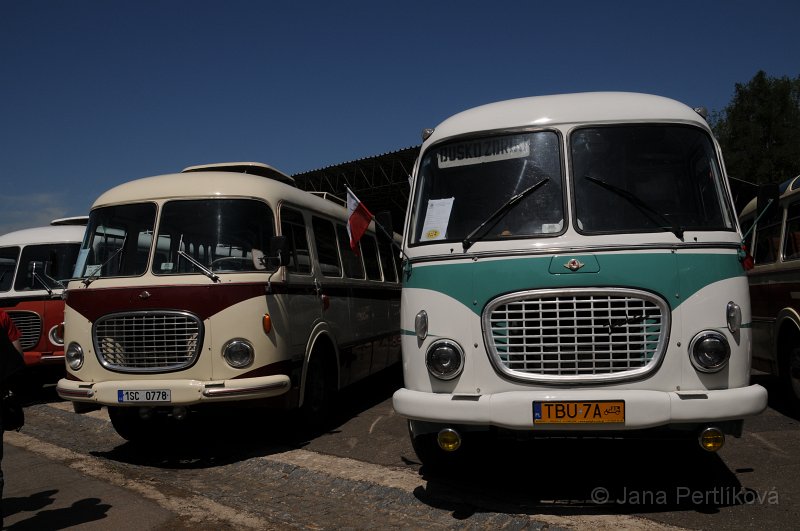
574	265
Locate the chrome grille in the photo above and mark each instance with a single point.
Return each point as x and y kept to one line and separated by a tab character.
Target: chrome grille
29	325
148	341
576	335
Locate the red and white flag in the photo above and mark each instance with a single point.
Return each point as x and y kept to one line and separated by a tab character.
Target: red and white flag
358	221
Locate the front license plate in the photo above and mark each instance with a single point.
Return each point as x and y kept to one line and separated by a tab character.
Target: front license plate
579	412
148	395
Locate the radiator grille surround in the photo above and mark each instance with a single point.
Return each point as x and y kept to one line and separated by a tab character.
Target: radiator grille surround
576	335
148	341
30	326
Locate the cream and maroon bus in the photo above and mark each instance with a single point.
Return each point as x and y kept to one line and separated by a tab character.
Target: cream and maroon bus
35	265
574	268
224	284
775	284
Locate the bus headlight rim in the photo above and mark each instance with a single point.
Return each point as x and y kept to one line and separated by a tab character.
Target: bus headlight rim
445	359
238	353
709	351
74	356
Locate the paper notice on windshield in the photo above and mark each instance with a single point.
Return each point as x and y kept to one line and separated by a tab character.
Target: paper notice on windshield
436	219
481	151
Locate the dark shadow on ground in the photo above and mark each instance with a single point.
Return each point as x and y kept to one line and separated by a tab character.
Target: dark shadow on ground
220	436
581	476
80	512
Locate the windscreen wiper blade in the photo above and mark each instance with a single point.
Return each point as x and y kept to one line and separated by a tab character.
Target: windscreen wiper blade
497	214
96	273
203	269
643	207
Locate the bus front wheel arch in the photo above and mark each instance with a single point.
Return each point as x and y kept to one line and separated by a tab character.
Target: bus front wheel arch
319	390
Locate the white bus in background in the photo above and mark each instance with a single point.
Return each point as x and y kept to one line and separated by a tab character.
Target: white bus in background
224	284
35	265
574	268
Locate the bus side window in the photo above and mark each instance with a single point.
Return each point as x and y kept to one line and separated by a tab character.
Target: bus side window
353	268
327	254
293	226
369	250
791	249
767	242
387	261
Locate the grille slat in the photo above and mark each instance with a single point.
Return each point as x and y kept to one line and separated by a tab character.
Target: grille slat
148	341
29	325
576	334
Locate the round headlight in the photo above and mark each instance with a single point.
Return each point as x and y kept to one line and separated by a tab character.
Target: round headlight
445	359
56	335
74	356
238	353
709	351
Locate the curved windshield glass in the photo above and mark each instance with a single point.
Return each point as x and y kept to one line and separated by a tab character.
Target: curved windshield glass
215	235
646	178
46	267
8	264
489	188
117	241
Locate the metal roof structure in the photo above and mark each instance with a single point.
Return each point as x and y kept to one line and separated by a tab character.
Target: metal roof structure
380	182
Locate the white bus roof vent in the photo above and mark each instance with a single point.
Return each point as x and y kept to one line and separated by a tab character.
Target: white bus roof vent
252	168
74	220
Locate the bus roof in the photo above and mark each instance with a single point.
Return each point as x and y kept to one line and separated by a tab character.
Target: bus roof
38	235
587	107
210	184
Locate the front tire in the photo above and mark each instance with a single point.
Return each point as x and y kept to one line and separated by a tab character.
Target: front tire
429	453
130	425
790	376
319	395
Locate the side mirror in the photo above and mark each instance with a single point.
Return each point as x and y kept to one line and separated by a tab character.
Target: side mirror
767	202
277	251
276	256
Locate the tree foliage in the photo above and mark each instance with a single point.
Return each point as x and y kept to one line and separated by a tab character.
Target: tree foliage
759	130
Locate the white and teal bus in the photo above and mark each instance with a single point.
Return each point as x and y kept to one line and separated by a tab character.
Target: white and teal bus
574	267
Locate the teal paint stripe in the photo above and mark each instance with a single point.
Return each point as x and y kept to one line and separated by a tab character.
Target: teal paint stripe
667	274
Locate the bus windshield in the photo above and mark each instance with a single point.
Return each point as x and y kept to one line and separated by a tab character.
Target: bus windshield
646	178
464	184
218	235
8	264
46	266
117	241
196	236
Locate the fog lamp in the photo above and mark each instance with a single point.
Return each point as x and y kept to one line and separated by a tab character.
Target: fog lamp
711	439
238	353
449	440
445	359
74	356
709	351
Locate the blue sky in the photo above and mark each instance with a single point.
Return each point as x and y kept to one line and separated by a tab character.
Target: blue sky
96	93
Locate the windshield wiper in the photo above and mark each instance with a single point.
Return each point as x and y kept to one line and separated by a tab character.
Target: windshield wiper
96	273
497	214
643	207
203	269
